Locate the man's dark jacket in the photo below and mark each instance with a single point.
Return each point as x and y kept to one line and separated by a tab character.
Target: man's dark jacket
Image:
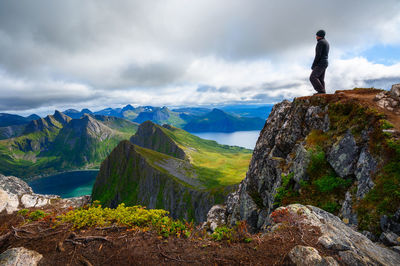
321	54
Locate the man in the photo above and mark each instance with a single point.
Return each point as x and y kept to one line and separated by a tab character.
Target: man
320	63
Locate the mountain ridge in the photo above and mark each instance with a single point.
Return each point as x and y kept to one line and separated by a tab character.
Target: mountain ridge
171	169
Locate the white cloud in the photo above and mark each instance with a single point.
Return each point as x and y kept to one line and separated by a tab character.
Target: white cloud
99	54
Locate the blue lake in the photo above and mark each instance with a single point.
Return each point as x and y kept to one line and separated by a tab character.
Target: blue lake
66	185
246	139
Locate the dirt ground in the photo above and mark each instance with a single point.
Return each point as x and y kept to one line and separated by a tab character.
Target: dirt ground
365	97
120	246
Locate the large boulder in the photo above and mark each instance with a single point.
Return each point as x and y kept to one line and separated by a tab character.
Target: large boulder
395	91
352	247
308	256
20	256
344	155
16	194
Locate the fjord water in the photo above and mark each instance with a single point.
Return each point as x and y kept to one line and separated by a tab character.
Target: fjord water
66	185
246	139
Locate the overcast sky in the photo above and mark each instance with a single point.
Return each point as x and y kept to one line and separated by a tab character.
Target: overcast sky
97	54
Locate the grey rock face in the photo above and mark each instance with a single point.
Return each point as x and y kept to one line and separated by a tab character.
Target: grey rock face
216	216
391	224
390	100
299	164
16	194
366	166
302	255
281	143
346	212
20	256
343	155
390	239
353	247
395	91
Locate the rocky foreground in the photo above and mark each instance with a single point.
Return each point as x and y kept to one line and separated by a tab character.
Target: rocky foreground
297	235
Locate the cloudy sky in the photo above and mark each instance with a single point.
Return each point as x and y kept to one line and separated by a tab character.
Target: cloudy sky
97	54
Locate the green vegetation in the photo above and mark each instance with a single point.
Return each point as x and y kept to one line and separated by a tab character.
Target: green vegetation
136	217
323	189
33	215
384	197
215	165
283	191
37	215
222	233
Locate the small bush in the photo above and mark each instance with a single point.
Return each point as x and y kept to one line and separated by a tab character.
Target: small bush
317	161
331	207
37	215
222	233
386	124
329	182
23	212
283	190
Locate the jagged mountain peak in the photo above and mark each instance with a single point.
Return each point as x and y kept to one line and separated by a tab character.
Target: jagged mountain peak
61	117
152	136
86	111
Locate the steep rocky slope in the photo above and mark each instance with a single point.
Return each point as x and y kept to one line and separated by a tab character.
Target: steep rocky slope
152	137
339	152
139	176
166	167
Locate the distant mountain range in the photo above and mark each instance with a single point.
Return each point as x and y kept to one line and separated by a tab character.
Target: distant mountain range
58	142
12	120
193	119
219	121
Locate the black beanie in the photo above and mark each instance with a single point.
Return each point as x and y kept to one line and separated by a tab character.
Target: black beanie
321	33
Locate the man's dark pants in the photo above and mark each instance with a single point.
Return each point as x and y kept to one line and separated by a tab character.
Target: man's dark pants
317	79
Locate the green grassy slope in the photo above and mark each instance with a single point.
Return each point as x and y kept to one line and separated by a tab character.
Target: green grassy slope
215	165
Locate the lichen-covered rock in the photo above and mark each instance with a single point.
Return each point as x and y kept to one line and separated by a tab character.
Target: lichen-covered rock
216	216
390	239
20	256
16	194
299	164
391	224
344	155
307	256
352	247
365	167
389	100
8	202
395	91
346	212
